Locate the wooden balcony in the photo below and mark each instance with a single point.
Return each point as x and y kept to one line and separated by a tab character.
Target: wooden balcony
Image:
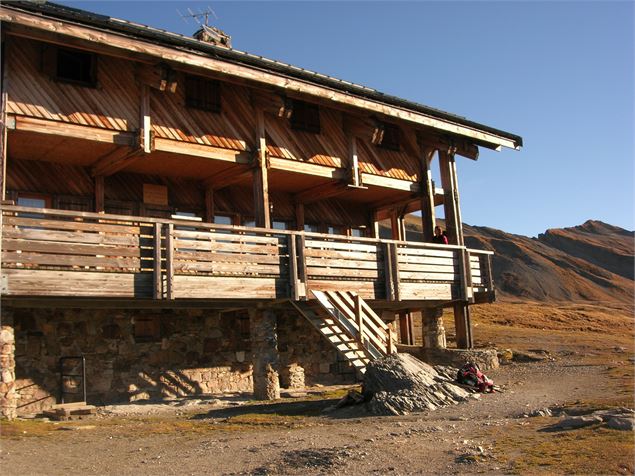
48	253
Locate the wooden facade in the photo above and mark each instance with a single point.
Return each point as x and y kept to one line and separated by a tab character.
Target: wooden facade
150	191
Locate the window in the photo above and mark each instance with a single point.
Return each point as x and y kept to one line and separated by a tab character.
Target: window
222	220
147	329
305	117
358	232
389	137
335	230
279	225
202	93
33	200
311	228
69	65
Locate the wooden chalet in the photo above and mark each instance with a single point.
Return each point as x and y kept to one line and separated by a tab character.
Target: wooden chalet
188	218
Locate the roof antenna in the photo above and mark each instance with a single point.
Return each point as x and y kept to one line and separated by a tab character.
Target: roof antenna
207	33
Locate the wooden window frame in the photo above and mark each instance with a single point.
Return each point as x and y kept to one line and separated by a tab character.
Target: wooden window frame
202	93
48	199
51	65
305	117
390	137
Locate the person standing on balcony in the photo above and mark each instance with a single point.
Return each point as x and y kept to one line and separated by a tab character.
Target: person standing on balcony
439	236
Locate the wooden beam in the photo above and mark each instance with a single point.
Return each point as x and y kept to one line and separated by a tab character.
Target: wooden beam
272	103
356	177
209	204
202	151
145	123
99	194
449	144
44	126
230	176
299	216
451	204
261	175
284	83
428	216
157	76
115	160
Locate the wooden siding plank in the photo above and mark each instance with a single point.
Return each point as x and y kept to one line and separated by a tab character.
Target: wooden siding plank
23	282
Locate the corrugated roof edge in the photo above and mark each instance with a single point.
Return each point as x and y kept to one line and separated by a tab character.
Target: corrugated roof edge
143	31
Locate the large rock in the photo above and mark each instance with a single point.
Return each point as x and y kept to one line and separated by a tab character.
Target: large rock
400	384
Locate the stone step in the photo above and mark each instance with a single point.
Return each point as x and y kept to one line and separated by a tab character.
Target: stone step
70	411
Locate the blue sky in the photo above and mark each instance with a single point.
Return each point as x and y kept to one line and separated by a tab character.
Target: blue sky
560	74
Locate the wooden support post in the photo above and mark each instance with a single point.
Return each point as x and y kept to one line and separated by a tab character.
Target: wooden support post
451	205
454	226
302	272
402	228
169	262
299	216
99	194
404	328
156	288
145	124
293	268
209	204
261	180
356	176
3	128
374	225
428	217
394	226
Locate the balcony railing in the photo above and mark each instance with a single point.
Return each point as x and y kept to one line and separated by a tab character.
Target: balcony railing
49	252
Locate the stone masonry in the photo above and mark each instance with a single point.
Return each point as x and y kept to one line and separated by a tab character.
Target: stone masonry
136	355
8	395
264	347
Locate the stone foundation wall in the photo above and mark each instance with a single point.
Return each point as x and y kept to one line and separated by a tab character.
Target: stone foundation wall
156	354
8	395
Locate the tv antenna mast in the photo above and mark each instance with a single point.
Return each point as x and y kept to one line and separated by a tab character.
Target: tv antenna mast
203	14
207	33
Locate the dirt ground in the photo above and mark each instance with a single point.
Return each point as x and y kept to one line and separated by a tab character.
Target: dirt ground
586	354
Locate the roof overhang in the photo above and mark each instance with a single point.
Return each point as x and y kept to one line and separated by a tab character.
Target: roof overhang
49	22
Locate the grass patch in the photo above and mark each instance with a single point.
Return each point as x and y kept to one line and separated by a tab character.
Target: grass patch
593	450
17	429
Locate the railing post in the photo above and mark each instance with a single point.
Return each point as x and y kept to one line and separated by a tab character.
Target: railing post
490	279
293	268
466	276
390	295
389	344
156	287
169	262
303	287
358	317
395	270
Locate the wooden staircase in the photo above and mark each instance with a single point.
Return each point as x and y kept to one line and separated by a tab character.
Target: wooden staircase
350	325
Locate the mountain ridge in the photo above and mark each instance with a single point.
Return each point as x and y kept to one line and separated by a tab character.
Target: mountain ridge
593	261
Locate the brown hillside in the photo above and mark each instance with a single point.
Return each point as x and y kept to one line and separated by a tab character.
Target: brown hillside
592	262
